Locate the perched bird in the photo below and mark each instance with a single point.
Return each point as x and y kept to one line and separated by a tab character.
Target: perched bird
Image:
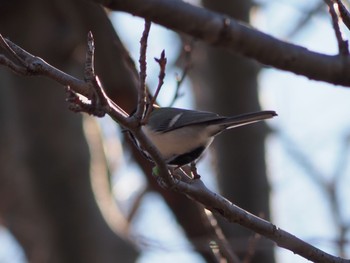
181	136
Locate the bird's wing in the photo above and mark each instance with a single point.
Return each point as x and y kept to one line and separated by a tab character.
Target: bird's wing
168	119
177	118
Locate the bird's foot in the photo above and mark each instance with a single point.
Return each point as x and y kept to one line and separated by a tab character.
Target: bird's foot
194	173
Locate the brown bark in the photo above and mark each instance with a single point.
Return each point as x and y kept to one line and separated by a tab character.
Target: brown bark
195	189
221	31
56	31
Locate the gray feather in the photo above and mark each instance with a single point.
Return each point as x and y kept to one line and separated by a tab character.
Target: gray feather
167	119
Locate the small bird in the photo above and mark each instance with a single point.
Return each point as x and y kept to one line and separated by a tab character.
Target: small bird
181	135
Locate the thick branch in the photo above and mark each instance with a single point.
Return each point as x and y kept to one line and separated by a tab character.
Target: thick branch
342	44
197	191
220	30
32	65
194	189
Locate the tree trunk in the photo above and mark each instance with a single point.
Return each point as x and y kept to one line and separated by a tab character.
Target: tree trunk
240	156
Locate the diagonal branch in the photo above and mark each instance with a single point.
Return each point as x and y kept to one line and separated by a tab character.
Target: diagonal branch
344	13
37	66
194	189
187	50
220	30
217	204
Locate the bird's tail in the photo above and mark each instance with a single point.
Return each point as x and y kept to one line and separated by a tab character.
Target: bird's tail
245	119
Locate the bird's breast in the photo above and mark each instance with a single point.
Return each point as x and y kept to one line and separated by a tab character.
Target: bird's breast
179	141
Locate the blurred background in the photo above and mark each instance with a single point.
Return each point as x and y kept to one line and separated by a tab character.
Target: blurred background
74	189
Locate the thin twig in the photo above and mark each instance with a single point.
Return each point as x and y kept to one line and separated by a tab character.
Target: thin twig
162	64
328	187
99	105
38	67
180	79
251	248
344	13
89	72
12	65
5	45
306	17
222	244
342	44
194	189
136	205
142	94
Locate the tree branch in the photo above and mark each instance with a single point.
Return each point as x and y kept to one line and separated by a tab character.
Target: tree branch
194	189
142	94
217	204
342	44
344	13
187	50
220	30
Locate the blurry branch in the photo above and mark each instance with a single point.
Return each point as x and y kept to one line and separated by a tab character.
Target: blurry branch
342	44
136	204
251	248
329	188
180	78
344	13
100	181
305	19
223	31
162	63
100	104
26	64
221	244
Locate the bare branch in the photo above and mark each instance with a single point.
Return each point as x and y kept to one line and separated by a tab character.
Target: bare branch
305	19
251	248
194	189
197	191
162	63
342	44
222	244
180	79
13	66
31	65
142	95
344	13
89	72
328	187
5	45
219	30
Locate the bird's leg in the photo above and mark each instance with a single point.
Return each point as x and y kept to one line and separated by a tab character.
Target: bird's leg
194	173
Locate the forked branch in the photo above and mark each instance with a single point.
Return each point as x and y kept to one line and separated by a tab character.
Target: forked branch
25	63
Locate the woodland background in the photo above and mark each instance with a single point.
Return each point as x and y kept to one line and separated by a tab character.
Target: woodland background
58	168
